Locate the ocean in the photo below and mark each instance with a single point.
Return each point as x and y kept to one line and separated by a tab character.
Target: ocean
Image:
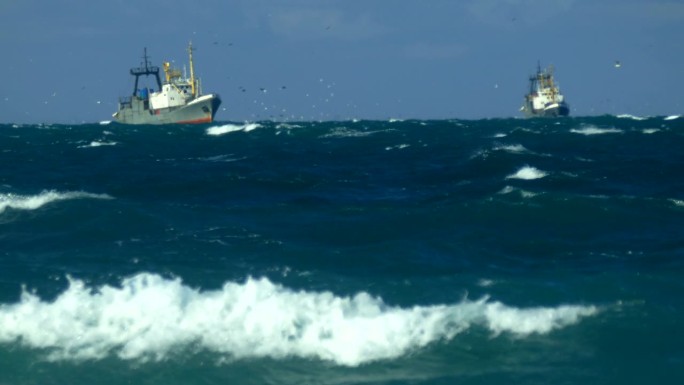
496	251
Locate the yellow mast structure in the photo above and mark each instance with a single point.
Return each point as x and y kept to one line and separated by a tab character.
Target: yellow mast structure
192	72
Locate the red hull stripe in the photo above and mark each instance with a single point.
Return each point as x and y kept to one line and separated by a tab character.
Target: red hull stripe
197	121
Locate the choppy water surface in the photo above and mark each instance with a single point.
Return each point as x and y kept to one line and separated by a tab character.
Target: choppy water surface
356	252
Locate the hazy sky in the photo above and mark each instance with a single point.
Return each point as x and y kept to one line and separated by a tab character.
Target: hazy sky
67	61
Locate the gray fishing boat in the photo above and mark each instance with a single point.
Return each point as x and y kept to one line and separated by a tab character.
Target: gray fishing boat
178	100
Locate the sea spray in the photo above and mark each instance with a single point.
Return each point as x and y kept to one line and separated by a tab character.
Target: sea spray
148	316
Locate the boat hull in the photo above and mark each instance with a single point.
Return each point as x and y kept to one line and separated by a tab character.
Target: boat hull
137	111
553	111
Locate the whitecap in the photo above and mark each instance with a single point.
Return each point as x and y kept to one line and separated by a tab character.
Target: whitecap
523	193
672	117
32	202
228	128
528	173
287	126
344	132
540	320
591	130
677	202
628	116
512	148
397	147
150	317
507	190
650	130
222	158
96	143
251	126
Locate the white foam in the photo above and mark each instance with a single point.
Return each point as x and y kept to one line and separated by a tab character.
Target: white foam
523	193
507	190
591	130
32	202
512	148
528	173
287	126
149	317
397	147
650	130
228	128
220	130
540	320
251	126
98	144
677	202
222	158
628	116
344	132
672	117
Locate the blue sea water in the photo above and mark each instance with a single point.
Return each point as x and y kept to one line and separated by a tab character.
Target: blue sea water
542	251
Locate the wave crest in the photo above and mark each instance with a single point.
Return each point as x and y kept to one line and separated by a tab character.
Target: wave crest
32	202
591	130
228	128
150	316
528	173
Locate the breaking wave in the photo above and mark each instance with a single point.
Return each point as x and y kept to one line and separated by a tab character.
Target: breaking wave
32	202
397	147
98	144
511	148
633	117
523	193
228	128
677	202
149	317
528	173
595	131
344	132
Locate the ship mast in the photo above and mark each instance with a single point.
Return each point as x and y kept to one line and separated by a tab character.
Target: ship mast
145	69
192	72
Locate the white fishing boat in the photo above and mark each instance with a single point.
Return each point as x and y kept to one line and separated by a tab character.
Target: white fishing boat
178	100
544	98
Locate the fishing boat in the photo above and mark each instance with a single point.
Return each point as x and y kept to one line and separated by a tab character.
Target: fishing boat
178	99
544	98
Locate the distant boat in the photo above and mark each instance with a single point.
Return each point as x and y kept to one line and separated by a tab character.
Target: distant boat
544	98
177	100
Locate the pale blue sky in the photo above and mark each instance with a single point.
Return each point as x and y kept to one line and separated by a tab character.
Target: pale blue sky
67	61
